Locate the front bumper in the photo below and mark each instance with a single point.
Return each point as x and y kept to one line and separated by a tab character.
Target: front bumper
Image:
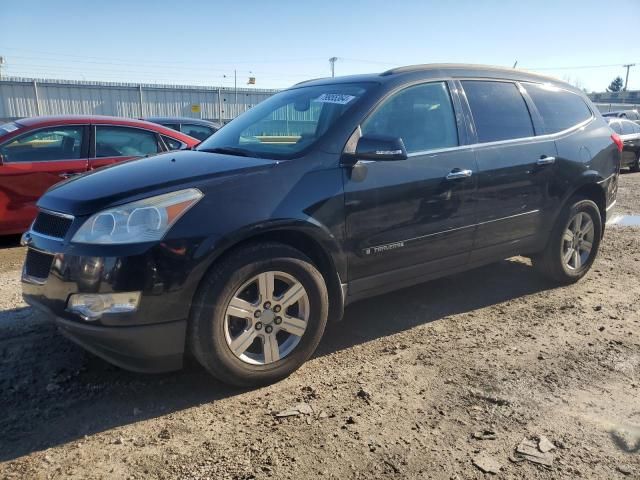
147	348
151	339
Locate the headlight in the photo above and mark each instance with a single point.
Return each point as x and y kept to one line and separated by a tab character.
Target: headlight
146	220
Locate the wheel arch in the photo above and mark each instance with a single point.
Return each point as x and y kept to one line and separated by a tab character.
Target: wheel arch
593	191
312	240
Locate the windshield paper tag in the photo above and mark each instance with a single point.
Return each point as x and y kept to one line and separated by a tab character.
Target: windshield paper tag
338	98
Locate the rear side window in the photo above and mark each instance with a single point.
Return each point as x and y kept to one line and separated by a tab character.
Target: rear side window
124	142
48	144
200	132
628	127
559	109
615	126
498	109
421	115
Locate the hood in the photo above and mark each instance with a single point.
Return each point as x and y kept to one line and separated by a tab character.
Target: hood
144	177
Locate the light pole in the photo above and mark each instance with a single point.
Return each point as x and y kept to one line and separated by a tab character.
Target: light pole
626	80
332	62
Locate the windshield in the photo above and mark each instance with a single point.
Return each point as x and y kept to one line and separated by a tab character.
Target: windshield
287	123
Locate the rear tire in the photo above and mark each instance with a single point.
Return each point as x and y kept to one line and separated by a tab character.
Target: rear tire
250	295
573	244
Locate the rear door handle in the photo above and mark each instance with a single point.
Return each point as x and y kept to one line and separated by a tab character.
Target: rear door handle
456	173
544	160
68	175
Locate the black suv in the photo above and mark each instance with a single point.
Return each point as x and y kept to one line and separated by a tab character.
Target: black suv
331	191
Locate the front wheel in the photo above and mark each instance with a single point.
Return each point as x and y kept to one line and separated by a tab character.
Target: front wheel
573	243
635	166
258	315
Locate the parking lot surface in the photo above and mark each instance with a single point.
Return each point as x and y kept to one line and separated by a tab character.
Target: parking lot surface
442	380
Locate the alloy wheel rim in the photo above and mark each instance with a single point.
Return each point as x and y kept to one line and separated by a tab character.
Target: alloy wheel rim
577	241
266	318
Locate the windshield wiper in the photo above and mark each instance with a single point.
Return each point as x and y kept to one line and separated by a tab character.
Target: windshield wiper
241	152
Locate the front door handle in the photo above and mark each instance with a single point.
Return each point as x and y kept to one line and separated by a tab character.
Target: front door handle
457	173
544	160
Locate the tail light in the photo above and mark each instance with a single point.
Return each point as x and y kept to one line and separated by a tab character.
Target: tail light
618	141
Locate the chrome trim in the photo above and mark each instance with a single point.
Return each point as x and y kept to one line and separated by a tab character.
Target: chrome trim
42	235
455	175
452	230
534	139
606	179
613	204
58	214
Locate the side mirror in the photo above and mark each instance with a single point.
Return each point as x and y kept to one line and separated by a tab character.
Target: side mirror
380	147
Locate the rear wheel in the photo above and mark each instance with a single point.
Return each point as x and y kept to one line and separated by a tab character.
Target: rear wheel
573	244
258	315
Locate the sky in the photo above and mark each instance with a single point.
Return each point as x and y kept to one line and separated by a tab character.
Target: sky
280	43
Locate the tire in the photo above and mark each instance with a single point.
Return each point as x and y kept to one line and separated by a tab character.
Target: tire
550	261
213	331
635	166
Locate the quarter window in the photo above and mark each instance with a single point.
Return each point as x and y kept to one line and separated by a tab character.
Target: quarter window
172	143
57	143
422	116
124	142
559	109
498	109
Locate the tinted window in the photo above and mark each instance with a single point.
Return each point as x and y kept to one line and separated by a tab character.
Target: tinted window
124	142
559	109
196	131
172	143
499	111
615	126
422	116
57	143
628	127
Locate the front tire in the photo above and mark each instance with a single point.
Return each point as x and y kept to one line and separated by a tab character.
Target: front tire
635	167
573	244
258	315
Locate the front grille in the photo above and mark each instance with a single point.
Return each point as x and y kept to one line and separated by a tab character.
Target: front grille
38	264
52	225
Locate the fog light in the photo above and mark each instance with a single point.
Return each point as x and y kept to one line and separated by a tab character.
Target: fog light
91	306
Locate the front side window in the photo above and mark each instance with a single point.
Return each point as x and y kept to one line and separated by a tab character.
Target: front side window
124	142
200	132
559	108
287	123
421	115
48	144
498	109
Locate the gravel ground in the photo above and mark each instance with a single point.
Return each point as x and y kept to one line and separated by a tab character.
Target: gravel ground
440	380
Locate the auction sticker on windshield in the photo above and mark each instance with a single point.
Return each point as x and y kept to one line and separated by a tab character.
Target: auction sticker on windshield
338	98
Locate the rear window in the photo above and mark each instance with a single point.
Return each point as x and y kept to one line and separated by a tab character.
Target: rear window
559	108
8	128
498	109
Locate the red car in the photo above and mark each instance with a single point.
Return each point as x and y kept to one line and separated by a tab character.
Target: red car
36	153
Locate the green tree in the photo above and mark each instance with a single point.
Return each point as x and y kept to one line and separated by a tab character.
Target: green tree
616	85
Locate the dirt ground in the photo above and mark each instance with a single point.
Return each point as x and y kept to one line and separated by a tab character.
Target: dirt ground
427	382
